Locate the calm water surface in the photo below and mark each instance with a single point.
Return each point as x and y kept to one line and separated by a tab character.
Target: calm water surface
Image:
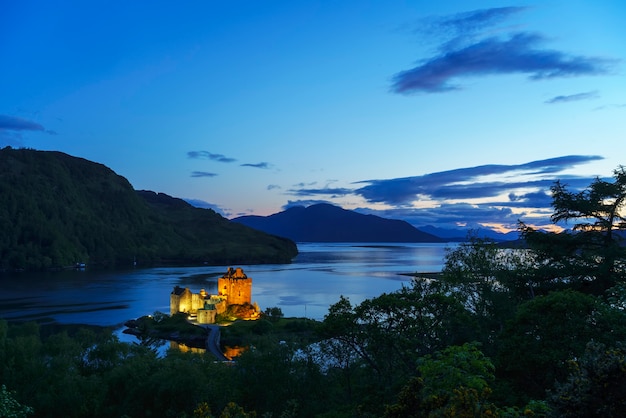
305	288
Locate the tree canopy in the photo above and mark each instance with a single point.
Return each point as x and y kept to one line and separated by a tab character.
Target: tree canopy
590	256
57	210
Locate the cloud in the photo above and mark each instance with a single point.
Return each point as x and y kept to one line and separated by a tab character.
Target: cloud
537	199
573	97
611	106
273	187
12	127
472	196
449	215
262	165
334	191
470	54
206	155
205	205
301	184
467	23
465	183
202	174
13	123
305	203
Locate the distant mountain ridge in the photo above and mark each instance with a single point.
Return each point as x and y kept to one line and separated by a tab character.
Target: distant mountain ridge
57	210
460	235
324	222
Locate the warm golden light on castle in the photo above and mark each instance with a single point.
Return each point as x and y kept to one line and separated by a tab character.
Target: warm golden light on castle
234	288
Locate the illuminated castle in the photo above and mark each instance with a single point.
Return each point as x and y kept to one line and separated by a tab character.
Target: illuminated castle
234	288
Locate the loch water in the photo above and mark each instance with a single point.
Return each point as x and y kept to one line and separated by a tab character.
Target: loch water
316	278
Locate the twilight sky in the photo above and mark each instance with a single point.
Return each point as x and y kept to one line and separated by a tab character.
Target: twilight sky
443	113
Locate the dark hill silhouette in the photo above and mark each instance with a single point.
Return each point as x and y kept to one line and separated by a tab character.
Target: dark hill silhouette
57	210
460	235
328	223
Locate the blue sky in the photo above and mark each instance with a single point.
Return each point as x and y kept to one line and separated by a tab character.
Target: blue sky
449	113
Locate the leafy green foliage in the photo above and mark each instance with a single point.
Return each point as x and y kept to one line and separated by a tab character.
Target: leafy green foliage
489	280
57	211
273	313
548	331
451	382
596	385
388	334
10	408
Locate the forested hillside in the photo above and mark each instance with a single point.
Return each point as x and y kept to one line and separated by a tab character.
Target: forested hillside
57	210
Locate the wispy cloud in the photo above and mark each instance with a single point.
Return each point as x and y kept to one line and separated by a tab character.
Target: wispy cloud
304	202
12	128
466	183
473	21
206	155
302	185
611	106
273	187
573	97
202	174
462	28
263	165
333	191
13	123
470	54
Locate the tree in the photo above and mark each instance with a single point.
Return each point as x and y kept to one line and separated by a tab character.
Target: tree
232	410
547	332
273	375
591	256
10	407
390	332
273	313
451	382
596	385
489	280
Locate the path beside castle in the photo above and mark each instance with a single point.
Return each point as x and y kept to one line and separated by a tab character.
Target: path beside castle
213	342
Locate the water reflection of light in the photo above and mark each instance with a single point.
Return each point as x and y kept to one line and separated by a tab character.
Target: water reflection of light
183	348
232	352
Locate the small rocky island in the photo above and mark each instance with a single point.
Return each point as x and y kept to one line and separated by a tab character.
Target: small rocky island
192	313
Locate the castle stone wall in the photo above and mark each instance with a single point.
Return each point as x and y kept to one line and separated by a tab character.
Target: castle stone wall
234	288
206	316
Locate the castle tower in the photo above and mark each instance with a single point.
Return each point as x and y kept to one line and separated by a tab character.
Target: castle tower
180	300
235	286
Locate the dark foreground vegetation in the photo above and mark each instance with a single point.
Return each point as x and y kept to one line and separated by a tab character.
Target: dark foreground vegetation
57	211
154	328
502	332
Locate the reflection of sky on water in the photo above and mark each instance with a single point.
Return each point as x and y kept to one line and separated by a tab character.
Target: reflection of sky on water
307	287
